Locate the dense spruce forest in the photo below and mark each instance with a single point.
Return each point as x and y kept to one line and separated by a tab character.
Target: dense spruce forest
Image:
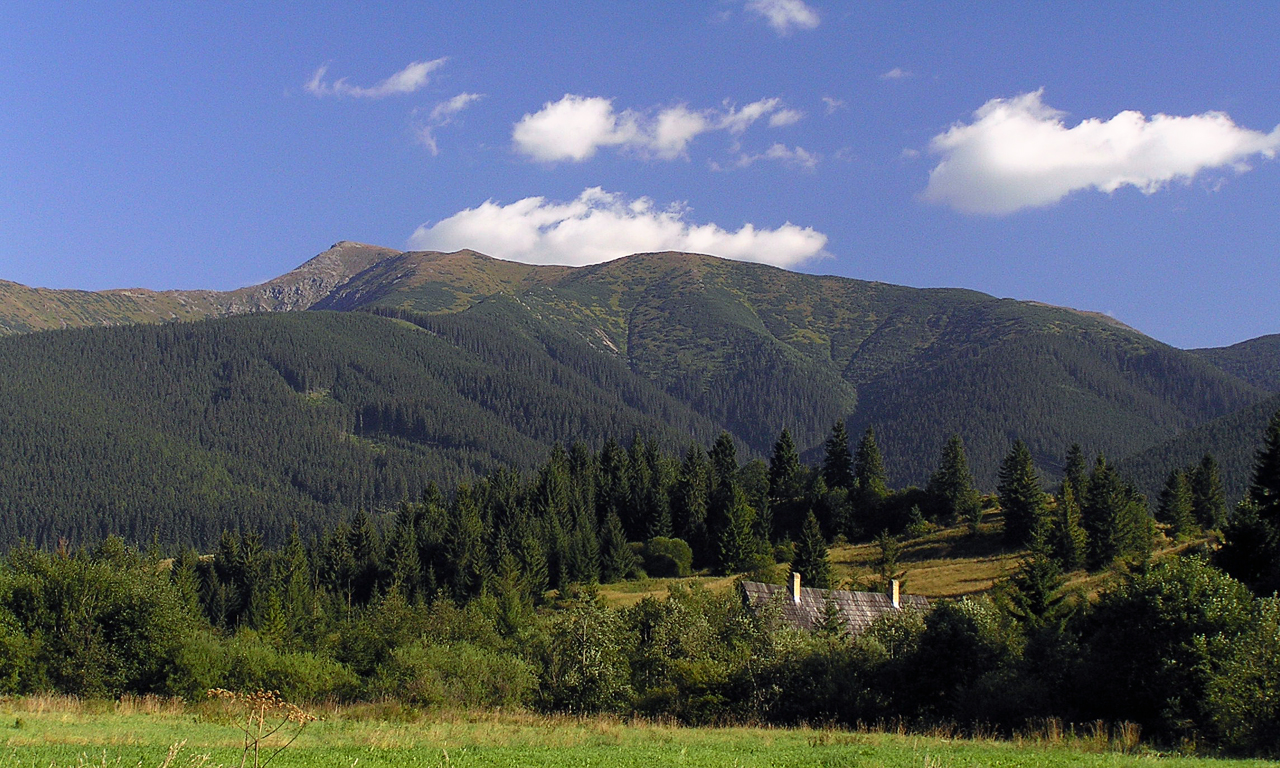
739	347
485	598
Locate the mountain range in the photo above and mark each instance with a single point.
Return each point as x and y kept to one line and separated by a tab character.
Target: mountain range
409	366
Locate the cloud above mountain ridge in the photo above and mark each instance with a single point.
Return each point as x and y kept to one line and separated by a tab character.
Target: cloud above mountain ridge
576	127
601	226
1018	153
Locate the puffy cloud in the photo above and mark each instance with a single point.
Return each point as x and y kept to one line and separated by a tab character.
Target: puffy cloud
576	127
407	80
599	226
897	73
785	16
1018	153
441	115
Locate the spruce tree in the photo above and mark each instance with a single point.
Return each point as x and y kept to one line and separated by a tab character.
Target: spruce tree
837	461
811	560
617	560
951	488
1251	546
1208	503
1115	517
693	498
1175	505
739	549
1022	499
724	460
1067	540
870	482
1075	472
1264	491
786	485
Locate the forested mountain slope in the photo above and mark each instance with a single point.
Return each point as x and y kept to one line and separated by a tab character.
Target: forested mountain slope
753	349
180	430
1232	439
1257	361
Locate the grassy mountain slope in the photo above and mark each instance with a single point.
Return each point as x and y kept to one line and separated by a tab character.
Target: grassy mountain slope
181	430
1256	361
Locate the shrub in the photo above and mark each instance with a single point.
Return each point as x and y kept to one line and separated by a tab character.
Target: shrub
667	557
459	675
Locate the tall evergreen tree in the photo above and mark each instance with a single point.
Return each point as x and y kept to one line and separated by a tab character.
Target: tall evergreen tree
1115	517
1264	491
617	560
366	551
870	483
1208	502
1067	539
693	498
1175	505
837	461
739	548
1075	472
724	460
1251	546
811	560
951	488
786	485
1022	499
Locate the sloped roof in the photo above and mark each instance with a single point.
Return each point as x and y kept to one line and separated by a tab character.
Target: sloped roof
858	609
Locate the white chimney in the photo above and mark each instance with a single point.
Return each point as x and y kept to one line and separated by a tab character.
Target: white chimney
795	588
894	593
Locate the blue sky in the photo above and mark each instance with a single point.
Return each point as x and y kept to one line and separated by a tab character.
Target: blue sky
1111	157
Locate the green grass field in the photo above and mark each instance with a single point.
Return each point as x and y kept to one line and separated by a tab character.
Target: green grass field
51	731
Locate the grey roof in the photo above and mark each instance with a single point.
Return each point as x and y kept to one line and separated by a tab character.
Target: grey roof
858	609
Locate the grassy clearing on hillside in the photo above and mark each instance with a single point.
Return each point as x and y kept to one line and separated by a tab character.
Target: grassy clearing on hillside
949	562
59	731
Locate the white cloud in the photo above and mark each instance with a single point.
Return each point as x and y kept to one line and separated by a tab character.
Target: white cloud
785	16
798	157
443	114
833	104
599	226
1018	153
576	127
897	73
407	80
785	117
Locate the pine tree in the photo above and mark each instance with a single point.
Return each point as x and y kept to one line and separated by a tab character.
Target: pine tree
888	553
1264	491
951	487
870	484
1251	546
724	460
1175	505
1075	473
1035	591
831	623
786	485
811	560
1067	539
739	549
693	497
404	564
1022	499
1208	503
837	462
617	560
1115	518
468	555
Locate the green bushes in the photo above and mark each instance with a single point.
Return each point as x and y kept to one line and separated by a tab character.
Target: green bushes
667	557
456	676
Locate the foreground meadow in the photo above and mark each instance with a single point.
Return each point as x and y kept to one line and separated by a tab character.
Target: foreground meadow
55	731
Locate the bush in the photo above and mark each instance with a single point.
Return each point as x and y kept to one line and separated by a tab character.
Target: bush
460	675
252	665
667	557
